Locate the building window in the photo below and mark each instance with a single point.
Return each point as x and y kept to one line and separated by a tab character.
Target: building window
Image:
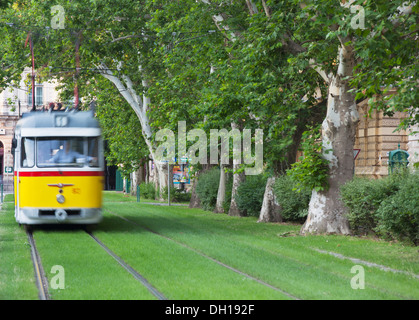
39	96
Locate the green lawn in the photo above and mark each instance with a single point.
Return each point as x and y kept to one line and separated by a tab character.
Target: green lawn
193	254
16	270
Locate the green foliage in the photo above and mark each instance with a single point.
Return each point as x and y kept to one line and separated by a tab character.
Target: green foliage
294	204
148	190
181	196
207	188
388	207
176	195
363	196
311	172
399	214
250	193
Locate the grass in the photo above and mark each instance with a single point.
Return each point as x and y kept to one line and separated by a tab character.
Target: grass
175	258
90	273
16	270
290	263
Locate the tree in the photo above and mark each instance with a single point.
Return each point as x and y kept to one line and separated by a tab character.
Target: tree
337	23
120	127
276	65
108	47
329	38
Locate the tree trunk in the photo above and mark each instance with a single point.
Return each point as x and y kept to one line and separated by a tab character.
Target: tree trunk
140	105
162	177
137	179
271	210
327	213
155	178
194	202
238	178
219	208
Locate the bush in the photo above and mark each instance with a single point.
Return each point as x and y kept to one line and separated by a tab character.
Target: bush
312	171
250	193
388	206
176	195
294	203
399	214
363	196
148	190
207	188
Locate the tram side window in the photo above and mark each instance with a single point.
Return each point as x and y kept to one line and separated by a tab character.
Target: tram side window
28	152
93	151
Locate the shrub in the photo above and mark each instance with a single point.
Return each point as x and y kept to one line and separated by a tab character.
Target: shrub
250	193
148	190
176	195
363	196
399	214
294	203
181	196
207	188
312	171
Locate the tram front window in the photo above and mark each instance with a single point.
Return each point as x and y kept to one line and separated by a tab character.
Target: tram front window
61	152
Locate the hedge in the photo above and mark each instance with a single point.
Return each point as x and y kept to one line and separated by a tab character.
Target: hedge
387	207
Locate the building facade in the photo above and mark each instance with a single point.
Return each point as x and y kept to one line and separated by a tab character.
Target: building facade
14	101
376	136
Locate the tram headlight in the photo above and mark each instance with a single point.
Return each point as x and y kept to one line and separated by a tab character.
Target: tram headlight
60	198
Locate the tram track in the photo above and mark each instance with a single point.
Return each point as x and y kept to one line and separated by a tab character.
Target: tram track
40	278
42	281
206	256
128	268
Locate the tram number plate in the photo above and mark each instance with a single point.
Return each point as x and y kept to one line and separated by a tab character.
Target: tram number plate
76	190
61	121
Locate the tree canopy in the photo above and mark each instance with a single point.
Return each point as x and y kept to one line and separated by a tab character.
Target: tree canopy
280	66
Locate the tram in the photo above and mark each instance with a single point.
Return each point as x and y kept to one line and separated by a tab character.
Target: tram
58	168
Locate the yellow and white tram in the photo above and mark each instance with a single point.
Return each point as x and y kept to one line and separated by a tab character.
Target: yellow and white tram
58	168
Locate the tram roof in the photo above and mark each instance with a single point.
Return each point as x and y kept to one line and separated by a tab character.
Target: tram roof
58	119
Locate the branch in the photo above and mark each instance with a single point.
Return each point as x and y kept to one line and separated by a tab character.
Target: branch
127	37
320	71
410	33
130	88
403	11
126	93
252	7
266	8
221	18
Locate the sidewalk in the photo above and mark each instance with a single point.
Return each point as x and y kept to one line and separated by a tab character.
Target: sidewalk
166	204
